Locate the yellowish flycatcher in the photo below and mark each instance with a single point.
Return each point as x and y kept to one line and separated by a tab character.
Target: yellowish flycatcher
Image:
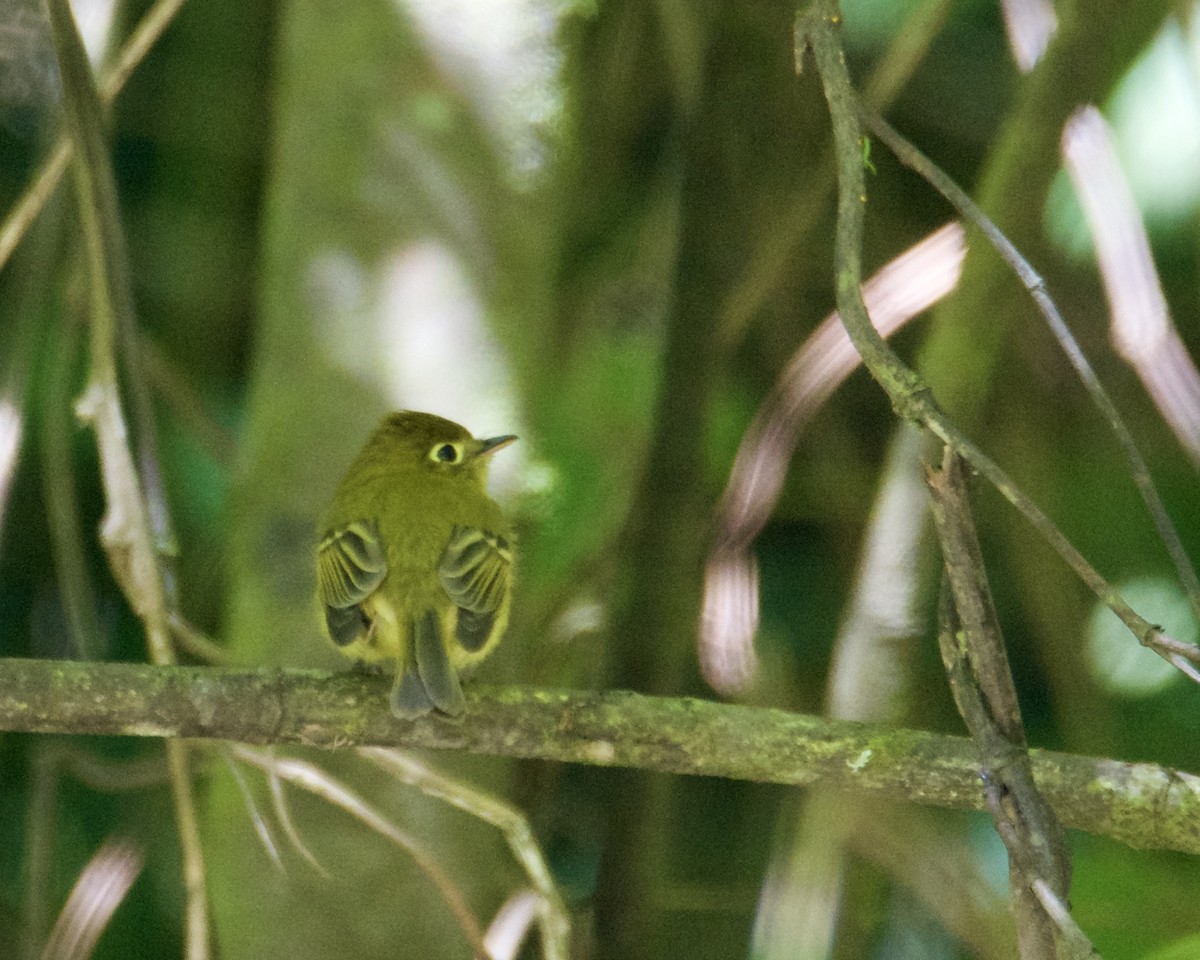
415	560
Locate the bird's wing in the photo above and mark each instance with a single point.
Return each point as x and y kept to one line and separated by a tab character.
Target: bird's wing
350	565
476	573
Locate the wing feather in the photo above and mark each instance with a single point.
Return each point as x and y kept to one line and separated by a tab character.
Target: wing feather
476	573
476	569
351	564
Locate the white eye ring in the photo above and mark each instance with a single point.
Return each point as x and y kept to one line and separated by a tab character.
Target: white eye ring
446	453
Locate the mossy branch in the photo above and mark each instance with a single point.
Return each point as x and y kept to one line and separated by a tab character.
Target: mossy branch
1142	805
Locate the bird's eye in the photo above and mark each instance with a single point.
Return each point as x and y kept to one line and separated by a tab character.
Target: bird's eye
445	453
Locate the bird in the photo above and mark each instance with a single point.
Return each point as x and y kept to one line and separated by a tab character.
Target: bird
415	560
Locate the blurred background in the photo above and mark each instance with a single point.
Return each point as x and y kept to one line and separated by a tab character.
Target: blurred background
608	227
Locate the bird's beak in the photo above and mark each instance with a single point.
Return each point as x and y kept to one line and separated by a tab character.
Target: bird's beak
492	444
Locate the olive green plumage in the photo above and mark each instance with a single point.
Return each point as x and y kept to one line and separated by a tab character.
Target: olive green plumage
414	563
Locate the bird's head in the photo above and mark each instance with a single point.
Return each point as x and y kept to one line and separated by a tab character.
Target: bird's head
433	444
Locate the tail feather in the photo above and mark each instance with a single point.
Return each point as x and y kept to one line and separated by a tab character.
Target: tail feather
433	664
409	699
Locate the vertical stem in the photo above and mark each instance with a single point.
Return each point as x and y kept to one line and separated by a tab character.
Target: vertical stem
40	823
976	662
128	529
195	884
62	508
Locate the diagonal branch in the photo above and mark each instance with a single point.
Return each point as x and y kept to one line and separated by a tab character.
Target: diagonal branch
911	157
38	193
909	395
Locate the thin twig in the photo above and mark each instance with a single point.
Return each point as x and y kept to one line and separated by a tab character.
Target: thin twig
195	641
283	810
911	157
34	199
195	884
39	192
552	914
909	394
1075	943
261	827
310	777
